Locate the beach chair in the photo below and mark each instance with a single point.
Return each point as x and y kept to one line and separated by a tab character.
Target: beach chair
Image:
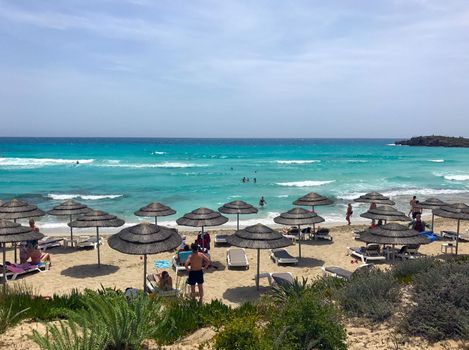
323	234
50	242
339	272
91	242
281	256
409	252
15	270
236	257
220	240
179	260
370	253
280	278
152	288
307	231
453	235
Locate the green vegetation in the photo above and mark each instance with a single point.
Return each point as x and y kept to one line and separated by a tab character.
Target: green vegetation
303	315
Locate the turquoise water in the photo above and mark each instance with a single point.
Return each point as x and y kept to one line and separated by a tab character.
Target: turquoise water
121	175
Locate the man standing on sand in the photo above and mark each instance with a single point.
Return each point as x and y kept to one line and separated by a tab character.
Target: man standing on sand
195	264
412	203
349	213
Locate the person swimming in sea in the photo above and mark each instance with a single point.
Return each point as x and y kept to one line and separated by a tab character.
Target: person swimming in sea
262	202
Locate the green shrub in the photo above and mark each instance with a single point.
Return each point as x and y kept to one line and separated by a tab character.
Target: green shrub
240	334
7	317
372	294
308	322
405	271
440	303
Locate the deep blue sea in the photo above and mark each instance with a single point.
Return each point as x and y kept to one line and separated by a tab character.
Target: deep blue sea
122	175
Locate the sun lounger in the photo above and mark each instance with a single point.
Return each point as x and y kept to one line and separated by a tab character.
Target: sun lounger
151	287
221	240
179	260
281	256
409	252
236	257
15	270
370	253
339	272
91	242
50	242
323	234
280	278
453	235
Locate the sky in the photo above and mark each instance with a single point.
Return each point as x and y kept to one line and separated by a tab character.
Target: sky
210	68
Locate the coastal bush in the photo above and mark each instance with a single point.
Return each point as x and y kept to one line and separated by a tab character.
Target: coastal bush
372	294
440	303
8	317
405	271
307	322
240	334
118	322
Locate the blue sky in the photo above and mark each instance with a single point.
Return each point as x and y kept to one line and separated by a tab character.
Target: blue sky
273	68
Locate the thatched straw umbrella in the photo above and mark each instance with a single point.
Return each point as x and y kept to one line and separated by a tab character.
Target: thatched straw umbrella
431	203
258	237
237	207
386	213
394	234
11	232
97	218
374	197
459	211
202	217
155	209
17	209
312	200
144	239
298	217
69	208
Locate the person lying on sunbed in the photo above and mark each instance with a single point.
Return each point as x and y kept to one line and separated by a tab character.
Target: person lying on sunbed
163	280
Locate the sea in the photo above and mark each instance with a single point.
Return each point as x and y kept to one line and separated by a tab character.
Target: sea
120	175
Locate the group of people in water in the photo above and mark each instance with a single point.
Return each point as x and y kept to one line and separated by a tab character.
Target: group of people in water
246	179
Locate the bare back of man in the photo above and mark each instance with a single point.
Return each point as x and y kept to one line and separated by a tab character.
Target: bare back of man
195	264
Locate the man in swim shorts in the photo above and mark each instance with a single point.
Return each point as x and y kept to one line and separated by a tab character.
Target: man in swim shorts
195	264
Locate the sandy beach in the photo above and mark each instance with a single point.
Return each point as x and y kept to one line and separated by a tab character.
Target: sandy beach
73	268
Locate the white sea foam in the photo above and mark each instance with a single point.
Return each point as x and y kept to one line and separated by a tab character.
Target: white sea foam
297	161
157	153
357	161
282	196
391	144
309	183
457	177
168	165
89	197
406	192
31	163
436	160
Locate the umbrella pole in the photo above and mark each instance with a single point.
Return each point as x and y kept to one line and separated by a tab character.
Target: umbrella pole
202	236
97	238
433	222
14	246
156	220
237	222
457	236
71	232
258	263
299	241
144	270
4	267
314	225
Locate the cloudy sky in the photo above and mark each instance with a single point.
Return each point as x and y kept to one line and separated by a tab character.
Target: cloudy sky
208	68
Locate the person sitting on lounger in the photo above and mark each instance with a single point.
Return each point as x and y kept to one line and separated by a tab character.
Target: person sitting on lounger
31	250
418	224
164	281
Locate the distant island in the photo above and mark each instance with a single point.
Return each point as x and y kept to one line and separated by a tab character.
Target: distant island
435	141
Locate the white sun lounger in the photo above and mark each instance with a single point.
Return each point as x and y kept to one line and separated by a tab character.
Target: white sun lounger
151	287
13	271
50	242
91	242
339	272
221	240
370	253
281	256
280	278
236	257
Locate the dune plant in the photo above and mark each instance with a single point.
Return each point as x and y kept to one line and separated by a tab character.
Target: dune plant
405	271
8	317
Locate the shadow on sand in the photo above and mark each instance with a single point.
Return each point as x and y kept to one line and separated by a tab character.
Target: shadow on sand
90	270
243	294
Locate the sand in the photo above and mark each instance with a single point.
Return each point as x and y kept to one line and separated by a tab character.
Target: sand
78	269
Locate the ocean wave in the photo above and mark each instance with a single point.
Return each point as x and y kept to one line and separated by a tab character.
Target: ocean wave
158	153
391	144
31	163
89	197
457	177
406	192
169	165
297	161
357	161
282	196
304	183
436	160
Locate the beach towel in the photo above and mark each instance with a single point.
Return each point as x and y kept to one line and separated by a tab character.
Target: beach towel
162	264
429	235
